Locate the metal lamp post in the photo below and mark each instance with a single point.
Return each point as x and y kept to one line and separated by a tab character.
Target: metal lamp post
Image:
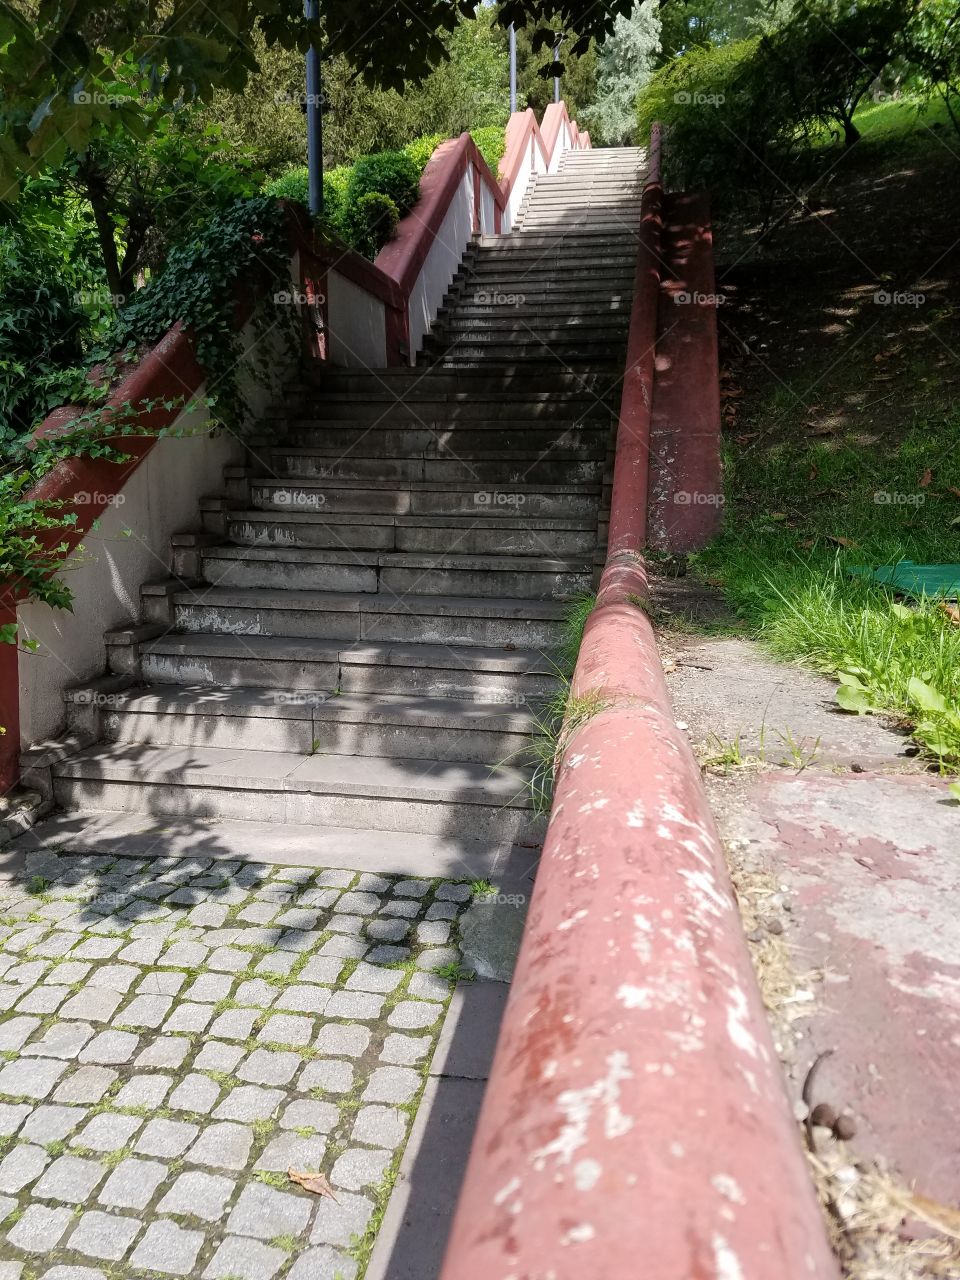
513	69
314	112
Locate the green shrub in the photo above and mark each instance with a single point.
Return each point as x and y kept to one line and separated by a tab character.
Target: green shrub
335	194
371	221
421	149
292	185
391	173
295	185
491	142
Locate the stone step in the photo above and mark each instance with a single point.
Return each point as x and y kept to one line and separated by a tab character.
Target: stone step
415	497
521	281
485	440
393	573
590	213
556	259
138	835
613	186
555	221
465	329
584	349
379	619
544	264
514	677
438	797
408	726
508	319
446	415
536	311
587	239
575	297
410	533
526	468
405	381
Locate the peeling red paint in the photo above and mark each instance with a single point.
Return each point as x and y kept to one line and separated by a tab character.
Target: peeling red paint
635	1082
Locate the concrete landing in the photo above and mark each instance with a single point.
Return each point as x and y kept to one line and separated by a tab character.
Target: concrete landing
133	835
848	853
870	870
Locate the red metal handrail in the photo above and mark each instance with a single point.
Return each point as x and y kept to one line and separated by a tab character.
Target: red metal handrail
635	1122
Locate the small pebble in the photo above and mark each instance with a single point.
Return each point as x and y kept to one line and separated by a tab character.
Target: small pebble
773	926
845	1128
823	1114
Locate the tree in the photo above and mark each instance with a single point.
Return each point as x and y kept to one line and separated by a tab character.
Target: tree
144	195
829	52
932	43
688	24
625	64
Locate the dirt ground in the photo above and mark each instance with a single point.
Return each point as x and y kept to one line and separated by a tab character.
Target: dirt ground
842	319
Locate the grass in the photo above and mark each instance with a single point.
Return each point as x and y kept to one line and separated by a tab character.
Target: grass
803	513
556	723
907	121
561	715
574	622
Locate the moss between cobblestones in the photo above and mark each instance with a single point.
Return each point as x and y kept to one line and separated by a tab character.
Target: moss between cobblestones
289	1244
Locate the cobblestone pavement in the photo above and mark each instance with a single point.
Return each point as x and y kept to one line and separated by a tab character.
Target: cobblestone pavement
176	1035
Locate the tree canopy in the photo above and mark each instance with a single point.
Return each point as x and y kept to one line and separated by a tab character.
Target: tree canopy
70	70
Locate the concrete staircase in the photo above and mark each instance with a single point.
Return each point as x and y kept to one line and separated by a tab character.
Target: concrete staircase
363	634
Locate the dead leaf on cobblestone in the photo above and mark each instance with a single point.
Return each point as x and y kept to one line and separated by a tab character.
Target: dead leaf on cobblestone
313	1182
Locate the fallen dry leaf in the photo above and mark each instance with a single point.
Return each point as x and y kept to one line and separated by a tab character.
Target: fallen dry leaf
952	612
313	1182
926	478
747	436
842	542
955	492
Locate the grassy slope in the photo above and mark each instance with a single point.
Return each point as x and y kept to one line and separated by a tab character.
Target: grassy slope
846	402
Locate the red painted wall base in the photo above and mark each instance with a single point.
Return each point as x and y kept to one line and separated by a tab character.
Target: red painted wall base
685	496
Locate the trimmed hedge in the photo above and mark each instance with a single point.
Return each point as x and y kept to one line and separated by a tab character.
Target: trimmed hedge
491	143
392	176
